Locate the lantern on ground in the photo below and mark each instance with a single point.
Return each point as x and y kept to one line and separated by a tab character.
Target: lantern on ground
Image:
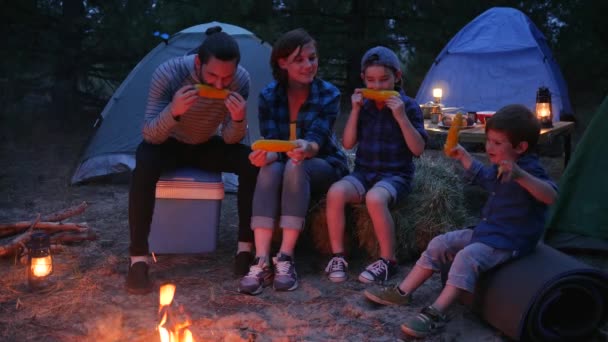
544	111
437	94
40	261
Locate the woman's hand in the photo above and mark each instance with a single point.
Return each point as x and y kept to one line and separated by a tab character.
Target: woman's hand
303	151
261	158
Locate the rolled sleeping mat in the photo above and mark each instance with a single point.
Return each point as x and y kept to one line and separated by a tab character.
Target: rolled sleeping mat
544	296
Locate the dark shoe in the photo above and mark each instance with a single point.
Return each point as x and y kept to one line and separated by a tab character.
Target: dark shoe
138	280
337	269
258	277
427	322
378	272
285	276
242	261
387	296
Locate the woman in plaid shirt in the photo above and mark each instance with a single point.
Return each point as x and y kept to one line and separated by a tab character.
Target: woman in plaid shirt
389	134
296	106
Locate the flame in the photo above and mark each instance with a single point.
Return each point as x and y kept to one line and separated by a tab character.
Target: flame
180	332
167	292
42	267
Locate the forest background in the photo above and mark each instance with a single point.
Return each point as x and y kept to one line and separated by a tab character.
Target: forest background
63	59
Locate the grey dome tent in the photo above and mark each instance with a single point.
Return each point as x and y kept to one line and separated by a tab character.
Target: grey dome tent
499	58
112	148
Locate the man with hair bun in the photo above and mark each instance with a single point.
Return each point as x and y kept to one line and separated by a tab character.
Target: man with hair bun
180	130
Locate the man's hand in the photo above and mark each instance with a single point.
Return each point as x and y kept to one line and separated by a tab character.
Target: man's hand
236	105
183	100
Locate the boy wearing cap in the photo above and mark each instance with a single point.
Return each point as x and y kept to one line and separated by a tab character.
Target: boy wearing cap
389	134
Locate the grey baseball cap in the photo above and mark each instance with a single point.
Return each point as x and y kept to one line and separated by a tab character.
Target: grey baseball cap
380	55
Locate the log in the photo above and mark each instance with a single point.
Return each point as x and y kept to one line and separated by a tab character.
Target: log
63	214
18	242
9	229
68	237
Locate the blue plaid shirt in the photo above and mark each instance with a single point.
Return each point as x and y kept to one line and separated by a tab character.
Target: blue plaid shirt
315	120
511	218
382	151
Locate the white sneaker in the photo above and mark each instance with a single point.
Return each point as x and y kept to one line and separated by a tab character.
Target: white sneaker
337	269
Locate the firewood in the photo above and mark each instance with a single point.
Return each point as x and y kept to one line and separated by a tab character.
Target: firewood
18	242
68	237
9	229
63	214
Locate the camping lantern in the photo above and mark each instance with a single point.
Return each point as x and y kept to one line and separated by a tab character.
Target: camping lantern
544	112
40	262
437	94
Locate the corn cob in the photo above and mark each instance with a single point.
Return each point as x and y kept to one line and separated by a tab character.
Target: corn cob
211	92
452	140
378	95
271	145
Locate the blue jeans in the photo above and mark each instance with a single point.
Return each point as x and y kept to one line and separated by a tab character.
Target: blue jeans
283	191
468	260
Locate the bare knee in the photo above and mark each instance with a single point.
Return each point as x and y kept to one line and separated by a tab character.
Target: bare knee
377	198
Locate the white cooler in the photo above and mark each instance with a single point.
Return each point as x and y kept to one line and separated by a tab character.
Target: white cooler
187	212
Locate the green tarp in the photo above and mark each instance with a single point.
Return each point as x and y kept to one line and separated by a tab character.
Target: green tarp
582	206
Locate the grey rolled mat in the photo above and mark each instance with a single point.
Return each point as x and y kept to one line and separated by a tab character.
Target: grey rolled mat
544	296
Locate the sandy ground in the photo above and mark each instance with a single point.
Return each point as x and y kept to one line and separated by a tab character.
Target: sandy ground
90	303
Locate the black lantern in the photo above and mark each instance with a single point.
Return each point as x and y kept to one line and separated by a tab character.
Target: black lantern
544	111
40	261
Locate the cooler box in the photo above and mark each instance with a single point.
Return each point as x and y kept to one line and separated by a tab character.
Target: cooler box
187	212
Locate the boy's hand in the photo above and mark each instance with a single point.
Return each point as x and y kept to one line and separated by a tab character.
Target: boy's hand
508	170
183	99
356	99
395	103
458	152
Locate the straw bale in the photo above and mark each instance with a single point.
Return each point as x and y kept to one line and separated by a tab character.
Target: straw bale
436	205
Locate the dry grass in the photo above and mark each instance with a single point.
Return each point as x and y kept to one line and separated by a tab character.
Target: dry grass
436	205
89	302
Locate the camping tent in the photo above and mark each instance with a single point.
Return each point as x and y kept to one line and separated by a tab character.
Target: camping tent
497	59
579	218
112	148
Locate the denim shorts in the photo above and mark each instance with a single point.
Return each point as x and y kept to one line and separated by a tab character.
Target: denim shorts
397	187
468	260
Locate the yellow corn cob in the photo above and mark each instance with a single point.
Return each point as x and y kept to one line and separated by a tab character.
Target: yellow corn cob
378	95
292	131
211	92
271	145
452	140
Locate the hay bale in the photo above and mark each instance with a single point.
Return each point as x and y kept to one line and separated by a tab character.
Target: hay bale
436	205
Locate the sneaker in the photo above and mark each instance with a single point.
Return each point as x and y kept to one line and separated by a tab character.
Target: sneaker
388	296
138	280
337	269
379	271
242	261
258	277
285	276
427	322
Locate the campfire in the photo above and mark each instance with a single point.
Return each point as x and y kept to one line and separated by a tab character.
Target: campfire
173	320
